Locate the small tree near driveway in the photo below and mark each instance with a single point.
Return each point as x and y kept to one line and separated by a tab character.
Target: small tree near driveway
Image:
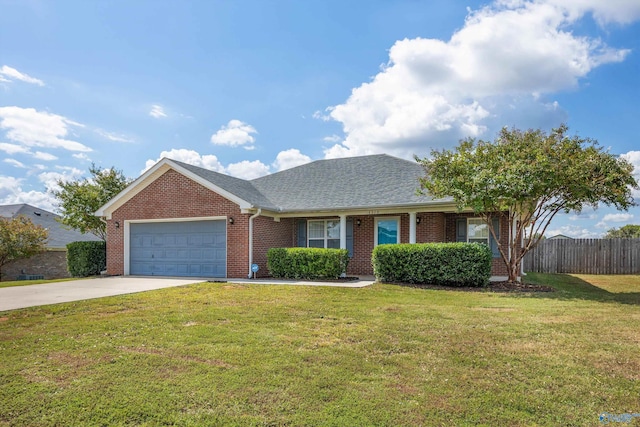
20	238
527	177
80	199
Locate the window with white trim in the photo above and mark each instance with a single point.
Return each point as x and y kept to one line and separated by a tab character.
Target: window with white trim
477	231
386	230
323	233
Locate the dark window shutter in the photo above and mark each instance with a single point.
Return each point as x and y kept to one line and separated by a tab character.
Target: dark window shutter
350	236
492	242
302	233
461	230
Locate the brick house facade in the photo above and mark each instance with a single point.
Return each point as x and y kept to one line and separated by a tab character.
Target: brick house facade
172	193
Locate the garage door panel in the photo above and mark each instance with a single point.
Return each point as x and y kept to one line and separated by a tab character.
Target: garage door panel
189	248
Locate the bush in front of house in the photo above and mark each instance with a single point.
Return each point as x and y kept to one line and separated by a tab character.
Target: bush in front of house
447	264
307	263
86	258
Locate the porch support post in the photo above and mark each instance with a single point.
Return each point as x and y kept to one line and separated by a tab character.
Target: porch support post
412	227
343	232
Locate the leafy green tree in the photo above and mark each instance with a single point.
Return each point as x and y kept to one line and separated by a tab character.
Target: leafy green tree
80	199
628	231
20	238
526	178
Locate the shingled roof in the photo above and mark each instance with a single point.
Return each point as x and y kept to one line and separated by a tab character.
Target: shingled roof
347	183
59	235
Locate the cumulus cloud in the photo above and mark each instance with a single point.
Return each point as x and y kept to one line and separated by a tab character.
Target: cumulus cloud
13	148
207	161
11	192
433	92
245	169
157	112
235	133
81	156
289	159
248	169
573	231
8	74
615	217
633	157
32	128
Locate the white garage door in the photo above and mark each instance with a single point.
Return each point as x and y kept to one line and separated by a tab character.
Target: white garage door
189	248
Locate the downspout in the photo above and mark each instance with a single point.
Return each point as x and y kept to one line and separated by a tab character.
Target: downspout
257	214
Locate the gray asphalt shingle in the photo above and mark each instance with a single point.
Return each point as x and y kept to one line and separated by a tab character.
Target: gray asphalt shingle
59	235
375	181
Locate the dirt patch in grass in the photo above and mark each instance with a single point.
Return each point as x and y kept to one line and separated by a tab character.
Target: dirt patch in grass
184	358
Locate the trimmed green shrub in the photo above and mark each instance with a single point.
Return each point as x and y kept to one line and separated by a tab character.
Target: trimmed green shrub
307	263
448	264
86	258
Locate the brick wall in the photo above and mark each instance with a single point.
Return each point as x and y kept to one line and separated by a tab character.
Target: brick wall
173	195
268	233
51	264
498	267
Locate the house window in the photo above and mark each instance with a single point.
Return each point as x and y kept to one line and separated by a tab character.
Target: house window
387	230
324	234
477	231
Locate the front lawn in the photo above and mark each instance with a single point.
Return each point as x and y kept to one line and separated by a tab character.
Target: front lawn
227	354
11	283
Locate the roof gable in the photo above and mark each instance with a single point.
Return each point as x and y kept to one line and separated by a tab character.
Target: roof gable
366	182
59	235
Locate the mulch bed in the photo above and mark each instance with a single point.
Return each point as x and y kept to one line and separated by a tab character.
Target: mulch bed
492	287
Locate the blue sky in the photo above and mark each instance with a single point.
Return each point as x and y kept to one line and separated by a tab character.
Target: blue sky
252	87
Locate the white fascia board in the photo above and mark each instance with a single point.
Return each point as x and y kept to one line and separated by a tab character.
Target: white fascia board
155	172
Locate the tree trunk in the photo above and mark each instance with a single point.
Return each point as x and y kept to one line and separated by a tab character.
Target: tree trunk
513	271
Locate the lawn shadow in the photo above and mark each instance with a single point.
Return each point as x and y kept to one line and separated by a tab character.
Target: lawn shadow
570	287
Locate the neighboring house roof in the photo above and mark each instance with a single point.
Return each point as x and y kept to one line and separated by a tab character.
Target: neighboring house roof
59	235
366	182
560	237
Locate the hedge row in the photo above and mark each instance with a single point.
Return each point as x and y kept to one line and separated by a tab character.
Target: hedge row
307	263
449	264
86	258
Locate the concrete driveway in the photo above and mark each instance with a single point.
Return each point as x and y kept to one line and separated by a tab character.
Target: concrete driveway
76	290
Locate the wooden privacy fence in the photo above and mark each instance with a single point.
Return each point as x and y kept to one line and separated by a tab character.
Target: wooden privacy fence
585	256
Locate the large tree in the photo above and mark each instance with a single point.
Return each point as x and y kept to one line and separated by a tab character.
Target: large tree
526	178
80	199
629	231
20	238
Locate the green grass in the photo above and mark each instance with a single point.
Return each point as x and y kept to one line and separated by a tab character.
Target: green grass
12	283
225	354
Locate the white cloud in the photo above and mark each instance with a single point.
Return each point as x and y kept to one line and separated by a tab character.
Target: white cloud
432	92
573	231
157	112
207	161
13	148
11	192
44	156
81	156
15	163
8	74
290	158
248	170
50	179
332	138
235	133
33	128
633	157
616	217
113	136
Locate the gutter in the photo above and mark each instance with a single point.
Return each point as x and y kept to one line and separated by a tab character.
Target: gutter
257	214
